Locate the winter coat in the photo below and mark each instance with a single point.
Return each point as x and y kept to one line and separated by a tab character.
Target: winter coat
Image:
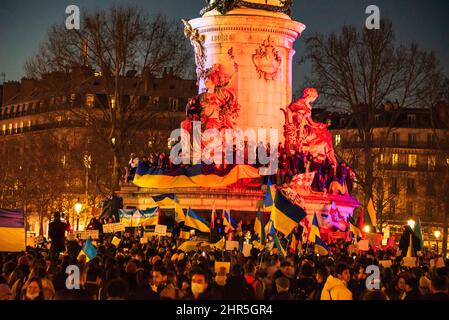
335	289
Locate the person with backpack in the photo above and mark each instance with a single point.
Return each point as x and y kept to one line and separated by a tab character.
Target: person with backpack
257	284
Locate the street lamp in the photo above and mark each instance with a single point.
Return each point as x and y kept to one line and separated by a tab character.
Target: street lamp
437	235
411	223
78	208
367	229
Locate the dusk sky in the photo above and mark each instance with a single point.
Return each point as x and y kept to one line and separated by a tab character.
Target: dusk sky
24	23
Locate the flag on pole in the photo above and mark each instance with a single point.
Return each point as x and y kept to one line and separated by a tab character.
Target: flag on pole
293	243
277	242
269	196
286	215
195	221
354	228
229	222
372	212
213	217
88	250
259	227
314	230
418	232
321	247
362	222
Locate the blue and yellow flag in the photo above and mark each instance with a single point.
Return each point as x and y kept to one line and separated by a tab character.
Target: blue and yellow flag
269	196
166	200
354	228
228	221
321	247
200	175
293	243
285	215
88	250
195	221
12	230
259	227
314	230
149	217
277	242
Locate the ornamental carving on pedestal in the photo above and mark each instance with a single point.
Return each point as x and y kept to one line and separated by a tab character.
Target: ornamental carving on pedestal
267	60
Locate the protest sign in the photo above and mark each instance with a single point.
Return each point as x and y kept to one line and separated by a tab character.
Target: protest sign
231	245
363	245
224	267
113	227
160	230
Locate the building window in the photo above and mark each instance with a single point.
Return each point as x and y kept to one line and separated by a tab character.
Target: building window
410	208
329	122
412	160
337	139
394	186
396	139
155	101
429	208
430	187
394	159
4	129
90	100
411	119
411	186
21	126
431	139
377	119
16	127
10	128
174	104
381	158
392	207
411	139
29	124
431	162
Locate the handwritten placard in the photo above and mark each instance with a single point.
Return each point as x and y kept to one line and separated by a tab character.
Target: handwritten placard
231	245
113	227
160	230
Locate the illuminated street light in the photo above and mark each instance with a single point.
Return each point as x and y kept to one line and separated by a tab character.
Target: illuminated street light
437	235
411	223
78	207
367	229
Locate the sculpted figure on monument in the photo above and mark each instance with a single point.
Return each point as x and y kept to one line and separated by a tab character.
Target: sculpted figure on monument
217	106
305	134
224	6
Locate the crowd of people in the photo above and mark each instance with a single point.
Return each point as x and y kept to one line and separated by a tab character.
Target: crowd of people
290	163
158	269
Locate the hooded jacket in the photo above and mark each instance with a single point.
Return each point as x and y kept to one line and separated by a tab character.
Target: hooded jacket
335	289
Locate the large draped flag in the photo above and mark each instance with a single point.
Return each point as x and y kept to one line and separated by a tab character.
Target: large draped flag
277	242
12	230
135	218
229	222
200	175
286	215
269	196
165	200
259	229
195	221
88	250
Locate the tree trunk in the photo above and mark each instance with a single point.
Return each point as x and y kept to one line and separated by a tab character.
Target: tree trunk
116	171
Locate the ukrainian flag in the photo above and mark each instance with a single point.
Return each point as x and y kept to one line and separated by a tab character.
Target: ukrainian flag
314	230
166	200
149	217
180	216
269	196
277	242
354	228
200	175
321	247
285	215
195	221
293	243
259	228
88	250
228	221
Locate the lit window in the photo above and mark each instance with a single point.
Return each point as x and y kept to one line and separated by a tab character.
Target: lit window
90	100
112	103
381	158
412	160
431	162
29	123
21	126
16	127
337	139
10	128
394	159
4	128
329	122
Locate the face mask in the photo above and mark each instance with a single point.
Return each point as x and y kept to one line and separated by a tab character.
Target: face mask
220	280
32	296
197	288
